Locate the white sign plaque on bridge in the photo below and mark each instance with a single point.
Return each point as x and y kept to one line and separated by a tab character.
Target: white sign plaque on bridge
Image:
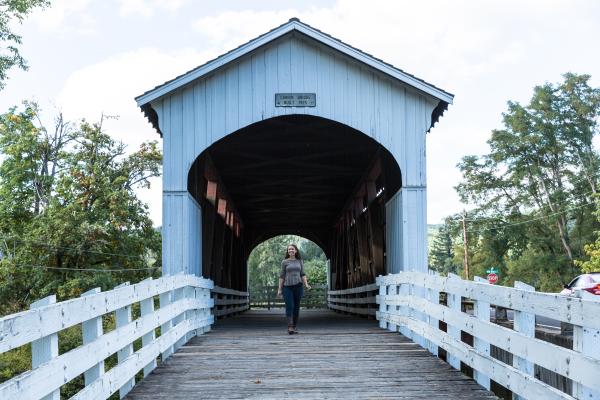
295	100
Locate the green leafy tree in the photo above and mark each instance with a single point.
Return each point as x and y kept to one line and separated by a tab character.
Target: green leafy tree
315	264
441	254
532	190
264	263
311	251
70	219
592	250
316	271
12	11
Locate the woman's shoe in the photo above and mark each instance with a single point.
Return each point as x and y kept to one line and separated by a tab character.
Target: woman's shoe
290	330
295	329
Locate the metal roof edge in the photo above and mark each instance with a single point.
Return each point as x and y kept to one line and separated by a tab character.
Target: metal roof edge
375	63
293	24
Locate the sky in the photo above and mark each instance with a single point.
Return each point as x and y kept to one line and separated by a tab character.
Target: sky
89	58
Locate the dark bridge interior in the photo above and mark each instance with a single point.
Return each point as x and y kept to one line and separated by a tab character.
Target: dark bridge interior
301	175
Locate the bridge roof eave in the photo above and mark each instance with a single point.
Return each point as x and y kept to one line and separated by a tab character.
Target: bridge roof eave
294	24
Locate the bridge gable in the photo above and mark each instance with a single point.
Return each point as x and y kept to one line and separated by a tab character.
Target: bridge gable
294	25
243	92
238	90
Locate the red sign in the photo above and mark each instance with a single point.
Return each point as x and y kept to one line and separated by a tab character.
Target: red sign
492	278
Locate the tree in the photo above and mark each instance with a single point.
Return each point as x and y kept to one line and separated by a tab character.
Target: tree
592	250
264	262
70	219
10	11
315	262
533	187
441	255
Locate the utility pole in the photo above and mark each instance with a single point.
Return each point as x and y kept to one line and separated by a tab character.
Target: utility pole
466	244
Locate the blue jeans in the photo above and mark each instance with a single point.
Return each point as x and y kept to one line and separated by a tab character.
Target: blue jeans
292	296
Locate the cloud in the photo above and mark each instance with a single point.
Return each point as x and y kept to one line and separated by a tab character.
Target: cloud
66	16
230	29
148	8
110	86
408	35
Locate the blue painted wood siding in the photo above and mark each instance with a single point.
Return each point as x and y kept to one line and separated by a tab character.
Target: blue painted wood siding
242	93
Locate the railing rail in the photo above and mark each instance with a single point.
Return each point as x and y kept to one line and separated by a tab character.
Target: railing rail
409	302
184	312
359	300
266	297
229	302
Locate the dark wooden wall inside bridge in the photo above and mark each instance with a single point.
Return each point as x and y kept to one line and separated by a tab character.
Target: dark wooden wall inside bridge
255	185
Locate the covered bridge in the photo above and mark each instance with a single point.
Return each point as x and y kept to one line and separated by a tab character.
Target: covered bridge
294	132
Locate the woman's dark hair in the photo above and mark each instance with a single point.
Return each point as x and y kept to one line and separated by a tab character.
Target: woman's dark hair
298	256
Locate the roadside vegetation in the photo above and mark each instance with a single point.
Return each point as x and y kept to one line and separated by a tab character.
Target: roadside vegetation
533	205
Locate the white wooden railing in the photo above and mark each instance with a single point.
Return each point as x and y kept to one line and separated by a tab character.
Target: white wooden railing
409	302
229	302
359	300
184	312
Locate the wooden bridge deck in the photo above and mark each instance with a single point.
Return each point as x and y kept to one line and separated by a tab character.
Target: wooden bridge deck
334	357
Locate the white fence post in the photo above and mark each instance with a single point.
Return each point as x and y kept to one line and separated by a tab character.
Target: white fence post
434	297
420	293
204	295
123	317
204	313
91	330
394	290
189	294
405	311
481	310
382	293
46	348
587	342
178	295
147	308
165	300
454	303
207	311
525	324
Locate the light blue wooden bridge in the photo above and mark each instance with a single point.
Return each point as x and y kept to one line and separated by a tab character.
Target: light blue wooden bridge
297	132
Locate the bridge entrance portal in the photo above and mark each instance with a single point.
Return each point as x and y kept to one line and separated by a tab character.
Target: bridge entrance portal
295	174
294	132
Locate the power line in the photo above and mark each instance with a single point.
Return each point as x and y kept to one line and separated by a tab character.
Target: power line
563	182
529	220
81	269
460	218
53	247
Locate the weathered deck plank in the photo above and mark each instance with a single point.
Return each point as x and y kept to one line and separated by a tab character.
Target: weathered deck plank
334	357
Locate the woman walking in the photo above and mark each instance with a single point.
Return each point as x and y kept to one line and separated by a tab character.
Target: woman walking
290	284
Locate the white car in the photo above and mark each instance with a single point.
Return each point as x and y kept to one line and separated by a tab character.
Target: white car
588	282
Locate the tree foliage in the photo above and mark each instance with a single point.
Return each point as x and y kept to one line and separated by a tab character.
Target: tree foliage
70	219
592	250
441	254
532	192
264	263
12	11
